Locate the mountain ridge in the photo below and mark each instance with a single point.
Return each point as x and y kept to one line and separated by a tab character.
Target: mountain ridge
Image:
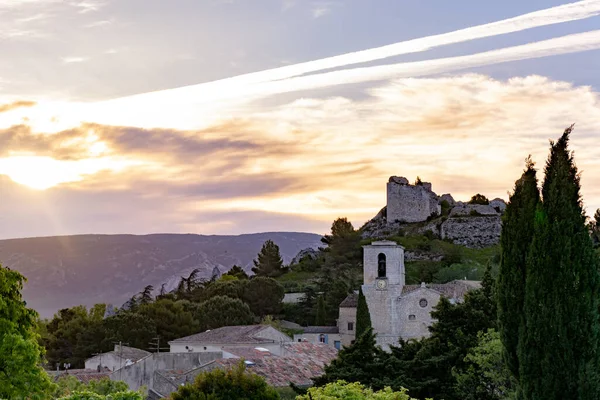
85	269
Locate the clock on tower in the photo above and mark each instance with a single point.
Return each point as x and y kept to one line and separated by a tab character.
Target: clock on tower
382	283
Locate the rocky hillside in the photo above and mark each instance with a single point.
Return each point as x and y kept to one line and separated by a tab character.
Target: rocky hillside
419	210
65	271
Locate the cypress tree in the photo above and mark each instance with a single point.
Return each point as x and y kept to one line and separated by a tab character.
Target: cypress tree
558	348
515	240
363	318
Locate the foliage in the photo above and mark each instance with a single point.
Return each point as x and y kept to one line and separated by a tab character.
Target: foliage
224	311
86	395
515	239
68	385
320	314
485	375
445	206
363	317
469	271
558	347
235	383
269	262
594	227
418	181
264	296
352	391
479	199
21	375
363	362
236	271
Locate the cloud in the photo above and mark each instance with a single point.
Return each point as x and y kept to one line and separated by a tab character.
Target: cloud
73	60
15	105
98	24
320	9
309	161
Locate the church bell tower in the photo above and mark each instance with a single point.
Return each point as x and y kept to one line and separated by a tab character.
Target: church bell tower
384	278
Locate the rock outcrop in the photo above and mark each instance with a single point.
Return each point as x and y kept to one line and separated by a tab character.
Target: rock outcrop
416	209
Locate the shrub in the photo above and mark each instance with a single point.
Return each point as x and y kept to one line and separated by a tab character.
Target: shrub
354	391
479	199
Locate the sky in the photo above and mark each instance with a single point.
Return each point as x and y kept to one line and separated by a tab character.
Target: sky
241	116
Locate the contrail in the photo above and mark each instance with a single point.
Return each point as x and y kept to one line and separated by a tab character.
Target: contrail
554	15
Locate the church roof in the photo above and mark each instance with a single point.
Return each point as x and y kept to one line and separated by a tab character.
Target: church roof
350	301
452	290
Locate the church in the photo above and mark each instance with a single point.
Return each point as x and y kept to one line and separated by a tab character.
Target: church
397	310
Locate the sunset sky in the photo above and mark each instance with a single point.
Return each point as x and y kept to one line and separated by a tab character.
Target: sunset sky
239	116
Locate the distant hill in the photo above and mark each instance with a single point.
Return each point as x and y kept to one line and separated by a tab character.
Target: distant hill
65	271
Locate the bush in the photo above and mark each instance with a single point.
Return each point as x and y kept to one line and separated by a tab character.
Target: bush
235	383
354	391
445	207
479	199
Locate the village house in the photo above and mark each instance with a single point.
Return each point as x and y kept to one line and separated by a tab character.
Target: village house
263	336
115	359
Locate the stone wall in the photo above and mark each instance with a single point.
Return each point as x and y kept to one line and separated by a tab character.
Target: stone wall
410	203
473	232
347	314
410	305
142	372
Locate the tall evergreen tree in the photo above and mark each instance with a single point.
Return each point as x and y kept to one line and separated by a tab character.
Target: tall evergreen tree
269	262
363	317
363	362
321	317
558	348
515	240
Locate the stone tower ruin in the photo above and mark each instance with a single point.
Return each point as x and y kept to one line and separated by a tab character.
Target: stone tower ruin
410	203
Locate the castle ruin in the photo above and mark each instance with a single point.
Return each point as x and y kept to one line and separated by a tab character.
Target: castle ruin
410	203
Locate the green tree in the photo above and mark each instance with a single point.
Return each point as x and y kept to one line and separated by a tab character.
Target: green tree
479	199
263	295
515	241
68	385
558	349
595	229
224	311
171	319
363	317
86	395
234	383
21	375
145	296
354	391
485	376
363	362
269	262
320	318
238	272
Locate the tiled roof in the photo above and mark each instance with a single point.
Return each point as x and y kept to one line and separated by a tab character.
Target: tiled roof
83	375
350	301
321	329
452	290
228	334
248	353
301	362
130	353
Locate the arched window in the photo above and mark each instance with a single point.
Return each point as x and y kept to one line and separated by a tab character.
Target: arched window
381	268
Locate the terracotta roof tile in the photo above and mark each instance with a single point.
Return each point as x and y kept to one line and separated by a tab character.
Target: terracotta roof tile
228	334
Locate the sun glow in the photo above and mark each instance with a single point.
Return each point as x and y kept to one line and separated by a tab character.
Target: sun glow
42	173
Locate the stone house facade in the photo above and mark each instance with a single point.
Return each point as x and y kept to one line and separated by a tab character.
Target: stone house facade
320	335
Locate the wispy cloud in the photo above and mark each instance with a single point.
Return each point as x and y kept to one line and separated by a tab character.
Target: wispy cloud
74	59
15	105
87	6
287	4
98	24
320	9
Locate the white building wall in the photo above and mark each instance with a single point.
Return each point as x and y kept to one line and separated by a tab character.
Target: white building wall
315	338
109	360
198	347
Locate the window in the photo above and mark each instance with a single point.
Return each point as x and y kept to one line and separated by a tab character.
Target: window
412	317
381	267
321	338
423	303
337	344
300	340
350	326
